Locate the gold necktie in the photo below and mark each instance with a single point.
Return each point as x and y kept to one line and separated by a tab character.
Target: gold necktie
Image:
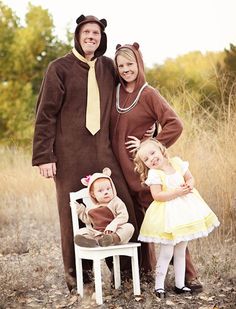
93	97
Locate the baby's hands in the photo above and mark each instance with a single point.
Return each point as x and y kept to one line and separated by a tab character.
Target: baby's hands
78	206
108	232
73	203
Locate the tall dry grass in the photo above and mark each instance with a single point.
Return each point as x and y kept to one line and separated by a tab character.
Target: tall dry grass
208	142
22	188
24	194
30	254
28	202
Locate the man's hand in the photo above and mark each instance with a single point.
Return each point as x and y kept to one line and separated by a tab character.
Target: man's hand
48	170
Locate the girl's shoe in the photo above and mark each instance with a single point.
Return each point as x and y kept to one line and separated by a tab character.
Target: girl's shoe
161	293
184	289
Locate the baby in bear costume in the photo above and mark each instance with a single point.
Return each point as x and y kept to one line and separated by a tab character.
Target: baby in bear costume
107	219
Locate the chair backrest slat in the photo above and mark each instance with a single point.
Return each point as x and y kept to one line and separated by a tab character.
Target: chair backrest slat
74	196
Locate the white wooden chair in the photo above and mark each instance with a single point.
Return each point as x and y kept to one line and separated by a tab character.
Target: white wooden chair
97	254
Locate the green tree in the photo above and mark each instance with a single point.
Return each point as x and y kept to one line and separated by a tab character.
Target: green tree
194	72
25	53
230	59
227	80
16	112
9	24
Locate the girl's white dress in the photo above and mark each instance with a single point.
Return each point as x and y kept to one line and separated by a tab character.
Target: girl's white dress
181	219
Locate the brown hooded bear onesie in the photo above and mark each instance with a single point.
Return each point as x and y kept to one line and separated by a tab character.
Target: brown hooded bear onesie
61	135
100	217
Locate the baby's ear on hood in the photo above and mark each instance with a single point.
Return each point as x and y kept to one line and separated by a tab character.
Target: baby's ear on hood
85	180
106	171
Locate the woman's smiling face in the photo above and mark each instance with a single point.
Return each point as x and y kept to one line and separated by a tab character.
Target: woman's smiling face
127	68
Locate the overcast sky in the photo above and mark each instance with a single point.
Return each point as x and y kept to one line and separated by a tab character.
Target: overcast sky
163	28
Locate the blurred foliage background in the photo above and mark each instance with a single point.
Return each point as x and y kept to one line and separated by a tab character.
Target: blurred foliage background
25	51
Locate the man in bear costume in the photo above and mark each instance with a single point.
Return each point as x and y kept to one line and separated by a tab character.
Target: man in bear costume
63	147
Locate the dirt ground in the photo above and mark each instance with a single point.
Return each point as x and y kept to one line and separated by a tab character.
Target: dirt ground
31	274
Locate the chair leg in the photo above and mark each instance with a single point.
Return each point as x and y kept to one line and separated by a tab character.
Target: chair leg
135	272
79	277
98	280
116	268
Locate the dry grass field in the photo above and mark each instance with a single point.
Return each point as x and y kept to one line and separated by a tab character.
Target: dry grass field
31	270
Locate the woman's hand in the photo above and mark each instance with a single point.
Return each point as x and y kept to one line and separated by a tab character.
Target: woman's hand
133	144
150	131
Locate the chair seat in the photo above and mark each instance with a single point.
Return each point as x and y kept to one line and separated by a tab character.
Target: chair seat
110	248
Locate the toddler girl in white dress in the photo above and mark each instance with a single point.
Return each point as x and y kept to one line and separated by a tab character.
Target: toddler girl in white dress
177	214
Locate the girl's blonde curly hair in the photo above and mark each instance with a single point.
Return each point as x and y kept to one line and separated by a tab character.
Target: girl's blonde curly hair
140	166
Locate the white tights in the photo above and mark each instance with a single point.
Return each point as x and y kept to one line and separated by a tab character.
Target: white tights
166	253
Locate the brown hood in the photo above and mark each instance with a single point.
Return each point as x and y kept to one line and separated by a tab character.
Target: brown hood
127	98
89	180
91	19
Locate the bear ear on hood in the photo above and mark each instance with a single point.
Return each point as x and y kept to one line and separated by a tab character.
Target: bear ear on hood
85	180
106	171
80	18
104	22
118	46
136	45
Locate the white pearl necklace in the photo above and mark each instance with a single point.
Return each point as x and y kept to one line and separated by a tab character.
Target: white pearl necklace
122	110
